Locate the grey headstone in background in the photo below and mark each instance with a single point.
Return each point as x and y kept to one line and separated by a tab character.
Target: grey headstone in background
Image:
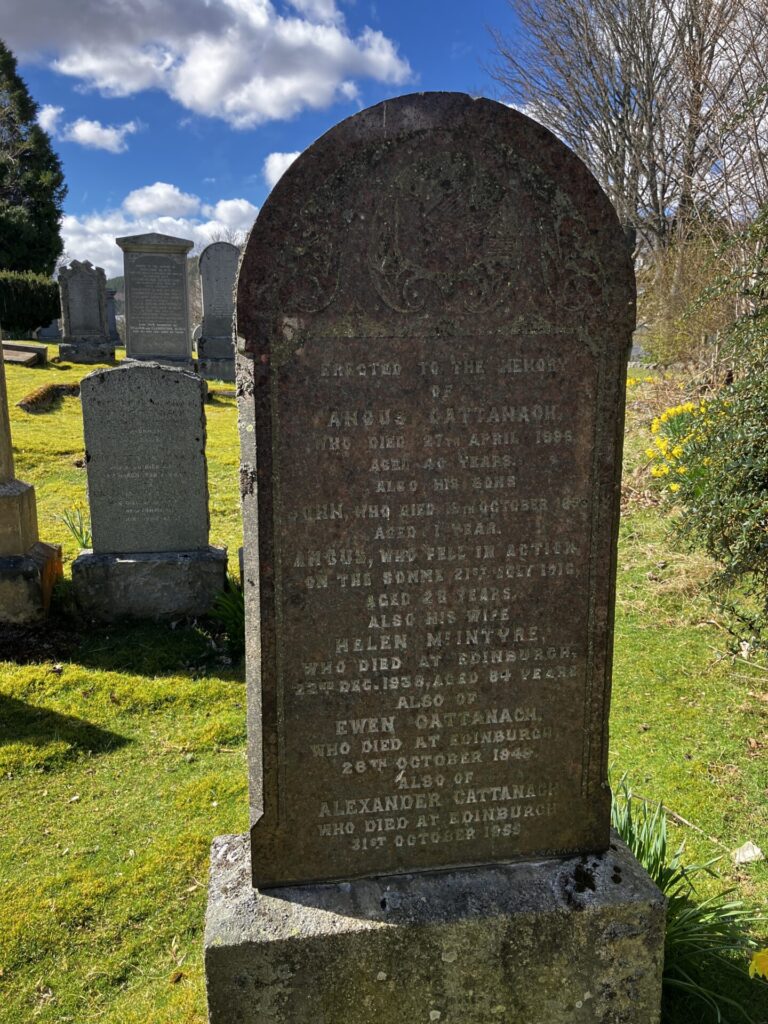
144	428
218	274
144	431
84	339
112	331
156	298
49	332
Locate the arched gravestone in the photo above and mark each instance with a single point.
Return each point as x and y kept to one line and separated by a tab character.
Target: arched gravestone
434	313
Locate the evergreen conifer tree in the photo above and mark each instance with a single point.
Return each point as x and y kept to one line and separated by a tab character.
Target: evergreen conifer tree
32	187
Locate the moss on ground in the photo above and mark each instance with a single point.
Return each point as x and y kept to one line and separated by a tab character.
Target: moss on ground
122	751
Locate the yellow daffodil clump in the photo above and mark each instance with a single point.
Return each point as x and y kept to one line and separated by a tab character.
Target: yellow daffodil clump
672	431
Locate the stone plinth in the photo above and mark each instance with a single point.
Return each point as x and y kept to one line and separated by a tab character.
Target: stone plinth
27	581
151	585
18	517
577	941
28	569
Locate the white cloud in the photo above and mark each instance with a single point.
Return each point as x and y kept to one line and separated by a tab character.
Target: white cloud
160	199
233	213
48	118
239	60
92	134
96	135
160	207
276	165
317	10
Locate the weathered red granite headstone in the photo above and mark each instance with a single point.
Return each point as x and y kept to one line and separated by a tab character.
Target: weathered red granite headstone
434	314
438	303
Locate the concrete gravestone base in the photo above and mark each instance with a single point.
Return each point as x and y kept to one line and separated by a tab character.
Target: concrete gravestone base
151	585
216	369
87	351
576	941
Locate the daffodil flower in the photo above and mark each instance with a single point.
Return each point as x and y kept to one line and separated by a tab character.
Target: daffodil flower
759	964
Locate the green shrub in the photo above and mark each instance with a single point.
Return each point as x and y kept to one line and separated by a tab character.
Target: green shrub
712	456
27	300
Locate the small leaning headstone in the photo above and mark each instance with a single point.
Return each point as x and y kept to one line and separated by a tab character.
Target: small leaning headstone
144	429
85	333
156	299
434	315
49	332
28	567
218	276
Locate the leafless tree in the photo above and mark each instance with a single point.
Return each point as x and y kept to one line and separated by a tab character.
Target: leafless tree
665	100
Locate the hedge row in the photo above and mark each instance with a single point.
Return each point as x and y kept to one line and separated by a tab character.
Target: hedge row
27	301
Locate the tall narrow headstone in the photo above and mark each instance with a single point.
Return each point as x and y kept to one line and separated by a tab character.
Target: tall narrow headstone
434	314
156	299
144	429
218	275
112	331
28	567
85	333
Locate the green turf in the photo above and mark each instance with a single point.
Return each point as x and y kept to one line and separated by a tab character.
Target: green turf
120	761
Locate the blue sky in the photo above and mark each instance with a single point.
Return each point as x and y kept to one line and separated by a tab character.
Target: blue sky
179	115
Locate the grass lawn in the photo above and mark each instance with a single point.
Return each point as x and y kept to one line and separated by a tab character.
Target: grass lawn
122	749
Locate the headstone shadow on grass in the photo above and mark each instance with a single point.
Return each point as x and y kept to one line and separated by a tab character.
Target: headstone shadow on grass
30	724
146	648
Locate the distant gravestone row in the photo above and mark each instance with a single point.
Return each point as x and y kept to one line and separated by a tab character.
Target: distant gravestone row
144	426
157	327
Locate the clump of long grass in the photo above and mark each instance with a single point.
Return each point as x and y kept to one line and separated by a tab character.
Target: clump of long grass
706	939
78	524
229	611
